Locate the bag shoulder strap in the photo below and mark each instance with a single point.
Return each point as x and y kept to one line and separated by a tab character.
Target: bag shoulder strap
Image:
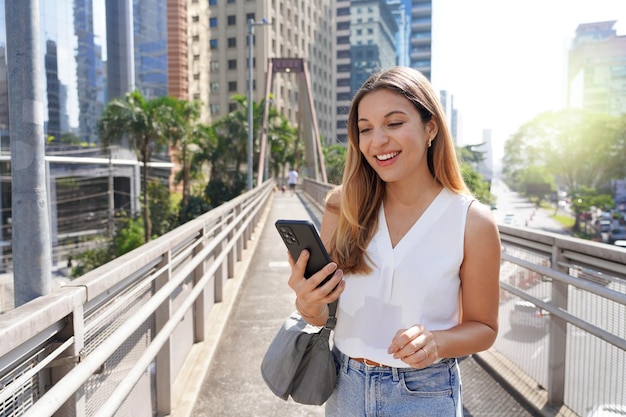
332	311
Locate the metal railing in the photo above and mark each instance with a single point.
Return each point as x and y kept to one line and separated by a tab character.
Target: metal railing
113	341
562	315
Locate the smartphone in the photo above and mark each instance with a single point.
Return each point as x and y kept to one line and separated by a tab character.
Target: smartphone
302	234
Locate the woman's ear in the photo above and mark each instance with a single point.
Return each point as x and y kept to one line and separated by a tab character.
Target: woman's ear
432	127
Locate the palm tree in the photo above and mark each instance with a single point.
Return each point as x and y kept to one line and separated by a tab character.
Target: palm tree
186	129
146	124
282	146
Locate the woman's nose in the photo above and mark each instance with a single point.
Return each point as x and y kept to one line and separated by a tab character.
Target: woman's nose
380	137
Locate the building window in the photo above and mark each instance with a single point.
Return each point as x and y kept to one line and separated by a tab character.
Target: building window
195	19
213	22
212	2
196	76
196	96
249	16
195	38
215	87
232	42
214	66
196	57
232	20
232	64
343	82
215	109
213	43
230	1
232	107
232	86
343	96
343	68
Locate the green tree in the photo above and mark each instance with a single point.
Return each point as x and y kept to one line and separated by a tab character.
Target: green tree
579	147
186	133
90	259
335	161
477	185
231	151
206	145
128	237
283	146
146	124
163	215
537	182
195	207
584	198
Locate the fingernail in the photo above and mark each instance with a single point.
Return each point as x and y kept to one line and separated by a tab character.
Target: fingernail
390	350
331	266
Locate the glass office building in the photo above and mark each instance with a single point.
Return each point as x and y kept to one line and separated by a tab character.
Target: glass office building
73	49
73	36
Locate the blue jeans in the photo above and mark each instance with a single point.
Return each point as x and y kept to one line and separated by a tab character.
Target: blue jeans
370	391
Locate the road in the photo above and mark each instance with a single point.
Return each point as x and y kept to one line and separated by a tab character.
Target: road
524	212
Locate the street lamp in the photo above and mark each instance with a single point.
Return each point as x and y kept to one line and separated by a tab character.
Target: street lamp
251	25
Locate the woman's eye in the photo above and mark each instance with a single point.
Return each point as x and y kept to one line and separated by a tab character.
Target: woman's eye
395	124
364	130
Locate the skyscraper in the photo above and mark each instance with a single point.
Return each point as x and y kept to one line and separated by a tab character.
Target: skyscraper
597	69
364	43
218	54
421	36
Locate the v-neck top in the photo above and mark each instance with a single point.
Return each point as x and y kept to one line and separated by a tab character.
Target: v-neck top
415	282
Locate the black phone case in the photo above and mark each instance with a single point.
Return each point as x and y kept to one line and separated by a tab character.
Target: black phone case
302	234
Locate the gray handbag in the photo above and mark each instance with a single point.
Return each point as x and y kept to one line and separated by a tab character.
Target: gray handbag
299	362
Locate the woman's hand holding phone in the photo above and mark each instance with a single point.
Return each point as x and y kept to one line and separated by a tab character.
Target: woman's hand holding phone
311	297
314	277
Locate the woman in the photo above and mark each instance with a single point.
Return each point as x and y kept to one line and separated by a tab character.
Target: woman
417	258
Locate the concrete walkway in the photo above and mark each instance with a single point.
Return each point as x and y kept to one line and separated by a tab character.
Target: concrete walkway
232	385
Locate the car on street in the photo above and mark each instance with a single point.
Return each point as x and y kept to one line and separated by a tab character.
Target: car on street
604	226
510	219
617	233
526	314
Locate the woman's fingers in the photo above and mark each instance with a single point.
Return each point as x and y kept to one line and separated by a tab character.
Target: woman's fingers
413	346
309	290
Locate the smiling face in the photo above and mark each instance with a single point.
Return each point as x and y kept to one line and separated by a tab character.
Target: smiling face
392	137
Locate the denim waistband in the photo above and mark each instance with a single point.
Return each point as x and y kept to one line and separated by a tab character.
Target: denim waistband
346	362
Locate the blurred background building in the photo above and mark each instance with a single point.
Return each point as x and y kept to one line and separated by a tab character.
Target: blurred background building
597	69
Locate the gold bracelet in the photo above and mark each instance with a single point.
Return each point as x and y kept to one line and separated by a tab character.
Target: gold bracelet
310	317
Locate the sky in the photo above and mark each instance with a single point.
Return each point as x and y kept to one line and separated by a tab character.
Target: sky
505	61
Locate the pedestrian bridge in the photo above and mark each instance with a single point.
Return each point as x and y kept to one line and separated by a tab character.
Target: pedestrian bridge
178	326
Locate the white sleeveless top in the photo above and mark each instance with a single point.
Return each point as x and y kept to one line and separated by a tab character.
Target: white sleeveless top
417	282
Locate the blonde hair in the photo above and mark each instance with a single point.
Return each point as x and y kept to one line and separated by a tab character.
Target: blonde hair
362	190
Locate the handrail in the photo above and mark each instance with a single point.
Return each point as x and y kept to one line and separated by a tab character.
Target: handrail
585	283
88	303
130	323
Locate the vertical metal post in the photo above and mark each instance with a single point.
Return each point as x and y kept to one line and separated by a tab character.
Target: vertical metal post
250	121
30	208
557	345
111	195
251	25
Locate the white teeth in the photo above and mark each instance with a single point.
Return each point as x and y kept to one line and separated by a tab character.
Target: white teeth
386	156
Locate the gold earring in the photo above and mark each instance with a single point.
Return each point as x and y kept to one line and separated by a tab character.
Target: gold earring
430	142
